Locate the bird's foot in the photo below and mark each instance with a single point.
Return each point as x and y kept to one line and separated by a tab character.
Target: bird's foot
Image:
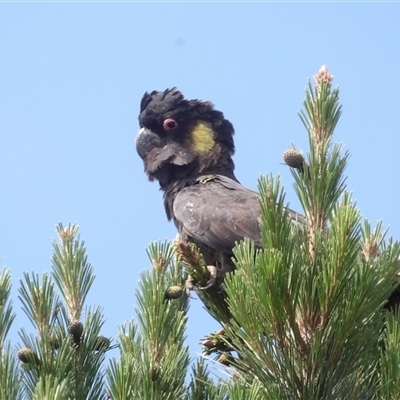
189	286
212	269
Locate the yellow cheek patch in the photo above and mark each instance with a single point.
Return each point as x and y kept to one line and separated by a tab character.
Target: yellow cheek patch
203	138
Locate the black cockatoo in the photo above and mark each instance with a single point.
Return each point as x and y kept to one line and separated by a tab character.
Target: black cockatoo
188	146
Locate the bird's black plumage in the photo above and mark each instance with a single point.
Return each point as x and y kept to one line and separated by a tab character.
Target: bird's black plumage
215	212
188	146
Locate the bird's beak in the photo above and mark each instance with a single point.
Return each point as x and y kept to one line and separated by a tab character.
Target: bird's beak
146	140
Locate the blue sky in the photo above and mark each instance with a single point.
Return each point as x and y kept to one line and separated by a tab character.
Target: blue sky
71	79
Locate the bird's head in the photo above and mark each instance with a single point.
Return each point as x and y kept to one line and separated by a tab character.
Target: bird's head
180	138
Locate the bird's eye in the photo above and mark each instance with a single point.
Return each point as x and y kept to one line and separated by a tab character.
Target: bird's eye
170	124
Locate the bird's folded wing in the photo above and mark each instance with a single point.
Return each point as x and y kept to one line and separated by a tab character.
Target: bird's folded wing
218	212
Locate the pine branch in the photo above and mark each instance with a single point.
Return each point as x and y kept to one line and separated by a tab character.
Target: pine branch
10	377
200	386
7	315
154	360
65	357
390	358
307	309
71	271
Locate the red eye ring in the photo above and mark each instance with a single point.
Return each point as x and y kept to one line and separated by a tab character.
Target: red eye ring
170	124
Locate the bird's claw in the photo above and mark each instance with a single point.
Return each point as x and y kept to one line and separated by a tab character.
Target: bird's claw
213	277
190	283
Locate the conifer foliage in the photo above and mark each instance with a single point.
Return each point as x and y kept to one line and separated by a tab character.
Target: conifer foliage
63	359
306	317
308	309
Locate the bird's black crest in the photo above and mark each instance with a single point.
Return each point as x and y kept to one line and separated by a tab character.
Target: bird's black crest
161	103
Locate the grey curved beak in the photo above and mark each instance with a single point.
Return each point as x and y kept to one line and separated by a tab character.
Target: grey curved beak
146	140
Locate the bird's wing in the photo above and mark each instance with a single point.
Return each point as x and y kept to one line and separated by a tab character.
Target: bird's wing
218	212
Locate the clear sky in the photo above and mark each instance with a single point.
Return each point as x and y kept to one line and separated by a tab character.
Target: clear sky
71	79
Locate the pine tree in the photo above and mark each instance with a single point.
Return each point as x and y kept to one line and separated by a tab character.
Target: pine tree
308	318
64	358
304	318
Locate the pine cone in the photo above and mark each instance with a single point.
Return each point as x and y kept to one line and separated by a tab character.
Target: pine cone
210	343
75	329
27	356
173	292
225	359
294	159
102	343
